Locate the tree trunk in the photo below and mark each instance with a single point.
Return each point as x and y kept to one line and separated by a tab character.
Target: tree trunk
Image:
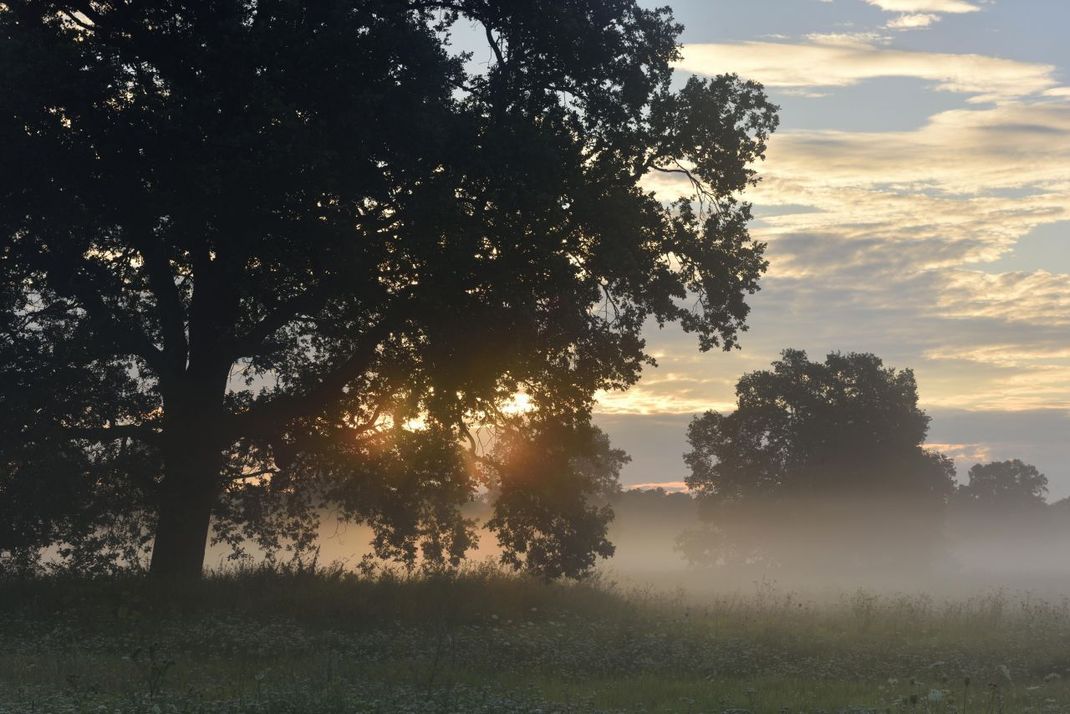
181	534
192	463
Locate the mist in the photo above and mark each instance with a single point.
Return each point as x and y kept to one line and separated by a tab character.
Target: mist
829	547
664	545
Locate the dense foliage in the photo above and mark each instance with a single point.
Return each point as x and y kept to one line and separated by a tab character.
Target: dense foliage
245	243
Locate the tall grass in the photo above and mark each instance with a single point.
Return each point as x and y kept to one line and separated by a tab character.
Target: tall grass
311	639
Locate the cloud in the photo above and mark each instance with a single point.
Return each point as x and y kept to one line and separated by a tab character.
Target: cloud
656	396
964	453
919	6
1039	296
848	39
919	14
1002	355
913	21
843	60
881	241
1019	376
975	178
887	241
911	218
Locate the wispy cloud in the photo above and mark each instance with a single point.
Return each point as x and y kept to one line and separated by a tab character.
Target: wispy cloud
1039	296
843	60
967	453
1002	355
913	21
656	396
919	14
948	6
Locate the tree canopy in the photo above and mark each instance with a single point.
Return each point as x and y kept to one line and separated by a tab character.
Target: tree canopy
1004	485
817	450
245	243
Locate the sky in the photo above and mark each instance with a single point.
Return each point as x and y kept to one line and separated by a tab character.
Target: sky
916	204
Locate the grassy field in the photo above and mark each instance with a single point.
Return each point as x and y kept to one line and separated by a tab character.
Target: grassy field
487	642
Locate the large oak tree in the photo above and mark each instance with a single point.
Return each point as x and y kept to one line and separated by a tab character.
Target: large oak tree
822	465
244	241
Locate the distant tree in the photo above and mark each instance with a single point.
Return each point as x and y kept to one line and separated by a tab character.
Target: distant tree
643	512
1058	520
1003	505
1004	485
816	450
655	503
646	527
244	242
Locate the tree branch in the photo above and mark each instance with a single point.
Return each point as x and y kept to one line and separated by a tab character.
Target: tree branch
141	432
122	334
702	193
494	45
253	474
246	345
273	414
171	312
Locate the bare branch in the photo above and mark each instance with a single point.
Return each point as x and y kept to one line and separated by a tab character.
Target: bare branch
494	45
253	474
169	305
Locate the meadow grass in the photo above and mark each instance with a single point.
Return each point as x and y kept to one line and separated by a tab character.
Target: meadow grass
483	640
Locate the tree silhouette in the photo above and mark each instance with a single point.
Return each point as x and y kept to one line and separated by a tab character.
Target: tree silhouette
551	484
1003	505
244	243
1004	485
815	451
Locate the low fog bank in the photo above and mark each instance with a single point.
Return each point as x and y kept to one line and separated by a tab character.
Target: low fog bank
826	546
664	542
